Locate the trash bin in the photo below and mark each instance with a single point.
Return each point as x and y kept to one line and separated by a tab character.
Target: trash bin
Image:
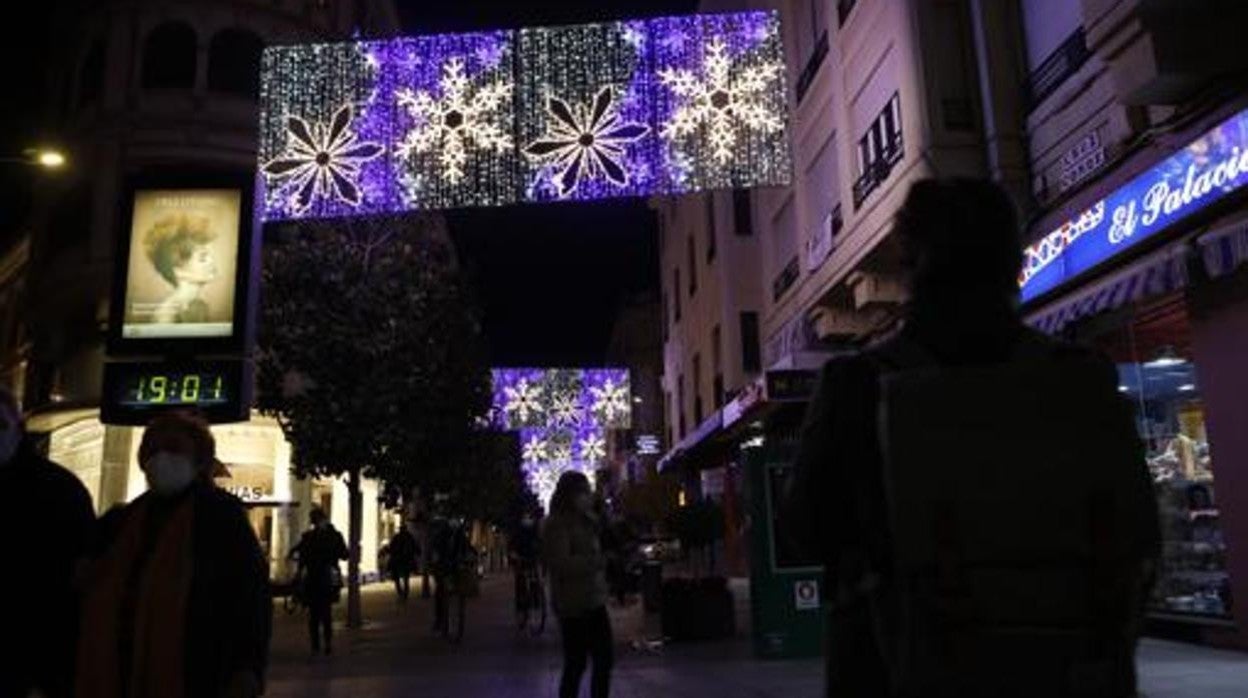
652	585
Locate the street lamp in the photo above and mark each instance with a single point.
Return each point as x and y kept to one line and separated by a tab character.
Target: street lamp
47	158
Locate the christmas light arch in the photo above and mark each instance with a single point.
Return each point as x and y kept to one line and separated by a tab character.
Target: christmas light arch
564	418
631	108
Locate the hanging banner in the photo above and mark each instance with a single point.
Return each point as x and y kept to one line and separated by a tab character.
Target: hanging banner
631	108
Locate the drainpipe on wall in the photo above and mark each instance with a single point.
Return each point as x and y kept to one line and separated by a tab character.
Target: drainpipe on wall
996	28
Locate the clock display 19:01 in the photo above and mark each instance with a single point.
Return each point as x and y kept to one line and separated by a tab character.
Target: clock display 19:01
179	388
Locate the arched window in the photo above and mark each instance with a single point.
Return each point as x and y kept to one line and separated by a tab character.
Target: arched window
234	63
169	57
91	74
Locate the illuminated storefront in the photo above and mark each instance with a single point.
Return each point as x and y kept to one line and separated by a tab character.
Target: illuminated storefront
257	455
1149	268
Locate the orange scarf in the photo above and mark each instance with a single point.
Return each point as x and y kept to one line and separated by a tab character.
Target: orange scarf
158	626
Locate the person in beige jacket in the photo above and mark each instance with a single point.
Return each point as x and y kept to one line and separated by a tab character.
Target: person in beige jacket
572	552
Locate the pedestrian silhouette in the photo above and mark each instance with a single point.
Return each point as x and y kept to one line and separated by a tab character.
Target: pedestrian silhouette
38	583
572	552
976	490
319	551
177	599
401	560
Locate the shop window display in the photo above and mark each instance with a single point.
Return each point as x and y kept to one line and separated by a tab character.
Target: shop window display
1157	374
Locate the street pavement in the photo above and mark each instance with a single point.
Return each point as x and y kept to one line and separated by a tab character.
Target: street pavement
396	654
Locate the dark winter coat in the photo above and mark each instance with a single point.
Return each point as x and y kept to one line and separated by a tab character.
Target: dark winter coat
229	612
47	516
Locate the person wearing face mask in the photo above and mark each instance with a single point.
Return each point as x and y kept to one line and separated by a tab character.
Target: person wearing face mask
49	517
176	599
572	552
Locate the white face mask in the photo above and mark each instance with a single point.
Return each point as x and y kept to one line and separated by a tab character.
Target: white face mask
10	439
169	473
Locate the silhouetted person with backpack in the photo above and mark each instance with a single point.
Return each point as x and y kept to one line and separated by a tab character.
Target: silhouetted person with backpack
977	491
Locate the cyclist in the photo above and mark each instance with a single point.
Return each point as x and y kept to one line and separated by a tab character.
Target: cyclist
524	552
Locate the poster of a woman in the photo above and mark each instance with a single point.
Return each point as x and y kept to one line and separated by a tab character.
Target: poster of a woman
181	268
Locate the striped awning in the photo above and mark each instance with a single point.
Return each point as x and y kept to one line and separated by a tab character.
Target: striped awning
1157	274
1224	249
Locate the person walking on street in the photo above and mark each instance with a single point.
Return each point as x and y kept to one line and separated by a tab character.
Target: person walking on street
977	492
44	607
401	560
572	553
451	551
319	551
177	595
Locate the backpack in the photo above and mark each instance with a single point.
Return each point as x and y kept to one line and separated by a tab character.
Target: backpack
1020	512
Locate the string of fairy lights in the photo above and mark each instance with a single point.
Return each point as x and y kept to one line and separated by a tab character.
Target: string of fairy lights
630	108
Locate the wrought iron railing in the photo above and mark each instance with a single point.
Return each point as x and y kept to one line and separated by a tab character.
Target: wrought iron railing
1061	64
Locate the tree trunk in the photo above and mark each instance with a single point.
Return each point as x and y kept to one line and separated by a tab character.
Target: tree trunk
356	512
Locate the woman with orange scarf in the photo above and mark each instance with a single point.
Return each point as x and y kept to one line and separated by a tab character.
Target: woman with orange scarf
176	601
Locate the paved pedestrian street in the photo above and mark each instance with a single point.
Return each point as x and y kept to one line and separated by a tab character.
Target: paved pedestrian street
395	654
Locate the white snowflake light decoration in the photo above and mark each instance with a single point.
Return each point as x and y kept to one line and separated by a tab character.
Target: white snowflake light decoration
611	401
466	117
524	401
565	409
323	161
586	142
724	99
536	450
593	448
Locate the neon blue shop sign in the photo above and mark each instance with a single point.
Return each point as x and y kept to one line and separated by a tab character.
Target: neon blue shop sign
1205	171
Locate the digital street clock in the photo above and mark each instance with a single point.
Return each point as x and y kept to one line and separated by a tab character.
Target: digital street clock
135	391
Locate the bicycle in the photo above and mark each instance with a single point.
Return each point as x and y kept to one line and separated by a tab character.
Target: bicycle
531	604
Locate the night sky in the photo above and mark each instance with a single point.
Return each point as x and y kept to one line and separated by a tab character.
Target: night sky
550	278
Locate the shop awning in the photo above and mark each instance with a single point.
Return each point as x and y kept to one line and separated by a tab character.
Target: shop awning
1225	248
1153	275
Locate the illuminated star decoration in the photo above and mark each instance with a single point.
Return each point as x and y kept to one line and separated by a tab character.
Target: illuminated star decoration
322	162
610	401
722	100
466	117
586	142
524	401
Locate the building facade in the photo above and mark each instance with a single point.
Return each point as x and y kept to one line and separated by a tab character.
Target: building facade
1119	126
762	287
152	88
1136	247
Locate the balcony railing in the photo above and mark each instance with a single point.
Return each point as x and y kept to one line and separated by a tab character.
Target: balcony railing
1061	64
878	171
807	77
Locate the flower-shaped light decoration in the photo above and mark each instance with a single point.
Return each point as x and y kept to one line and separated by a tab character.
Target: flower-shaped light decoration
524	401
586	142
322	161
465	117
722	99
610	401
